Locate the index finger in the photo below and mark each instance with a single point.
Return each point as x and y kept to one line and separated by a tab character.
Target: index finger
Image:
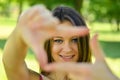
71	31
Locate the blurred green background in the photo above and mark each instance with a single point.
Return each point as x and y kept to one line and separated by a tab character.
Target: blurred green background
102	16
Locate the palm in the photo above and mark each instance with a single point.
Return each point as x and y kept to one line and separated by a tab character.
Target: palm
33	27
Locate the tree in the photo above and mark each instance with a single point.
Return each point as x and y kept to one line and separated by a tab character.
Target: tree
106	10
5	7
20	2
113	12
76	4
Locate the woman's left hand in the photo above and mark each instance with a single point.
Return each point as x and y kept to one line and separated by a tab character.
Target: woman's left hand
86	71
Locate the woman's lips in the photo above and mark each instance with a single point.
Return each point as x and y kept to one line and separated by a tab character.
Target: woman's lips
67	57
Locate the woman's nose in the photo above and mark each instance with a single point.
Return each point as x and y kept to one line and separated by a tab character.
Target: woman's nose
67	47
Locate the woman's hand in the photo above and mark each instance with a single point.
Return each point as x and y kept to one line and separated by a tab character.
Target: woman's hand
33	25
86	71
36	25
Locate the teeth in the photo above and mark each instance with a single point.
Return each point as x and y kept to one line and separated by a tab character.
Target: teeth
67	56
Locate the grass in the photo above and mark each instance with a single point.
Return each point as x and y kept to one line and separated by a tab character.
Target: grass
2	74
7	22
108	38
106	32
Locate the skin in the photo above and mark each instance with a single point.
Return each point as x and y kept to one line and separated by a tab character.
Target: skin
64	48
99	70
34	27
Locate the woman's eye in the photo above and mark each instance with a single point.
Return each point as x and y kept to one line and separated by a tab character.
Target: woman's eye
58	41
75	40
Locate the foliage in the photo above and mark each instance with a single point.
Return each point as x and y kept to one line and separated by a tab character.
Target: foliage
4	7
106	10
52	3
95	10
77	4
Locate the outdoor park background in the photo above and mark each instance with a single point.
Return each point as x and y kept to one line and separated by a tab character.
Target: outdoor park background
102	16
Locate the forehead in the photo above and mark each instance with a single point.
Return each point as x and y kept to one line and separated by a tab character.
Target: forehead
66	23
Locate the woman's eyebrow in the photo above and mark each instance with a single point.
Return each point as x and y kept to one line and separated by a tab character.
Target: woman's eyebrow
74	37
57	37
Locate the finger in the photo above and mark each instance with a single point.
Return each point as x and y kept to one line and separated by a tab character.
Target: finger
96	49
45	22
33	11
69	67
70	31
38	11
40	55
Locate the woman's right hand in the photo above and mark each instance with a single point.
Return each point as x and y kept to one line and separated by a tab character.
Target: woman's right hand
36	25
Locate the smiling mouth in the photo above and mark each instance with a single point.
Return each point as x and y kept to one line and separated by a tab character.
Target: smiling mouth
67	58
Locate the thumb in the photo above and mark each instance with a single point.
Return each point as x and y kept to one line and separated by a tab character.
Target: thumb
41	55
96	49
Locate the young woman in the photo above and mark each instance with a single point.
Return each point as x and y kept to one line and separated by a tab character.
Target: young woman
57	33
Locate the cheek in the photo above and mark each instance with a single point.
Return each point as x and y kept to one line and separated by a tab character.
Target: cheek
75	48
55	50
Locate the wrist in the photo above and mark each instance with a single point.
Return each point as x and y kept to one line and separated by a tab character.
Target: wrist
17	36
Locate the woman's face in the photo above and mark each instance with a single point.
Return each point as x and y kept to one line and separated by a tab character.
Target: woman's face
65	48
